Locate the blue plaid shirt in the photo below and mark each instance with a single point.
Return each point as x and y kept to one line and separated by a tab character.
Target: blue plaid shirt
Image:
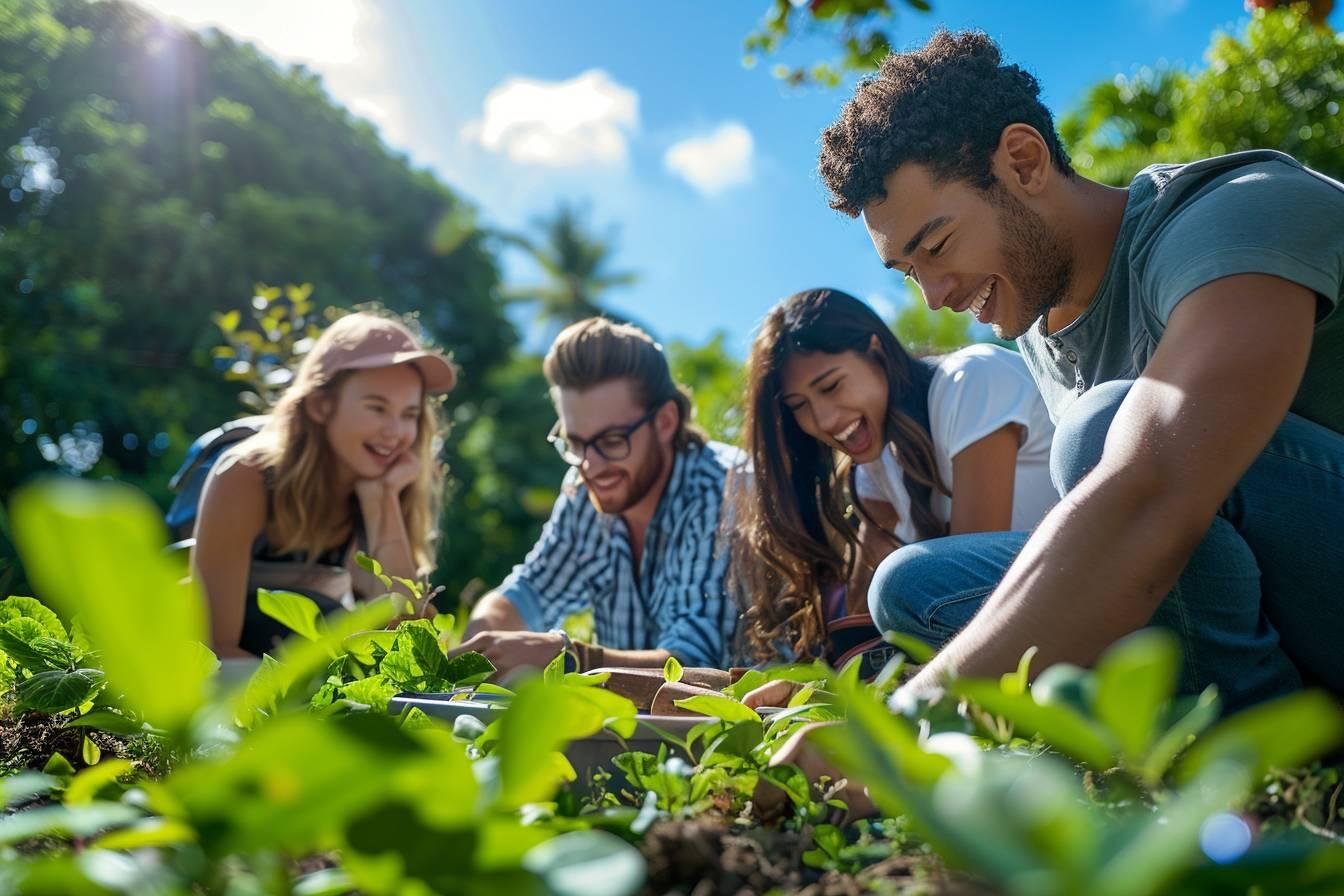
676	600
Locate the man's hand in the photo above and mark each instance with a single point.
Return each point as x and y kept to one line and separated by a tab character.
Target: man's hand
769	799
513	650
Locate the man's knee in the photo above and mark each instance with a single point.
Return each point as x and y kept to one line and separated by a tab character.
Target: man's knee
1081	433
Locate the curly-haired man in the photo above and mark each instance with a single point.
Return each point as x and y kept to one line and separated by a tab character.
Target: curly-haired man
1187	337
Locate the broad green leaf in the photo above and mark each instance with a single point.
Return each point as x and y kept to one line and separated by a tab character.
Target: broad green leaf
111	722
53	692
90	752
374	691
587	863
296	612
672	669
327	882
149	833
25	786
59	767
363	645
1136	678
618	713
29	645
719	707
96	549
14	607
1283	733
541	719
790	779
1059	726
67	821
299	660
86	785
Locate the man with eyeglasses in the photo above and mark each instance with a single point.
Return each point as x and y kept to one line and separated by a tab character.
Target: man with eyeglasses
635	533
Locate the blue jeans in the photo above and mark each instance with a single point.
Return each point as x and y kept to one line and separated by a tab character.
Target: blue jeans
1259	606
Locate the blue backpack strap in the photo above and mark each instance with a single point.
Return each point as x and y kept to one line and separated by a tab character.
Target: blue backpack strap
189	481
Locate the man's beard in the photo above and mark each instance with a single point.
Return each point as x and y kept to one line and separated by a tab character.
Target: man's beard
642	481
1039	262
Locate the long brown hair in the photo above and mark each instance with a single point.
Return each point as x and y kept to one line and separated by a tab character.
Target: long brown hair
308	516
796	541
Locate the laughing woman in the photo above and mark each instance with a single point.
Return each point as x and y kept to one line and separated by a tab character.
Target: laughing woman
839	416
345	464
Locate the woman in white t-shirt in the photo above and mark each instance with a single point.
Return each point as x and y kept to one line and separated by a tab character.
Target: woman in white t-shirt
838	418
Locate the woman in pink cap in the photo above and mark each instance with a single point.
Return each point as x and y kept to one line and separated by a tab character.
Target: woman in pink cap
345	464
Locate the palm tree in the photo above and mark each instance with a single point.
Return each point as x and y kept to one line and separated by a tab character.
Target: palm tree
575	263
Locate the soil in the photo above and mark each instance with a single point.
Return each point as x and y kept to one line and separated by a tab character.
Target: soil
708	857
29	740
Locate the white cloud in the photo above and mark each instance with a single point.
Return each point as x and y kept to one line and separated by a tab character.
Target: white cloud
713	163
559	124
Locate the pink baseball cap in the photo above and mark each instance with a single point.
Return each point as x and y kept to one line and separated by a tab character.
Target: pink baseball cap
362	341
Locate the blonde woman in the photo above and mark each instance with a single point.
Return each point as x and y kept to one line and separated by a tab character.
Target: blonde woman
346	463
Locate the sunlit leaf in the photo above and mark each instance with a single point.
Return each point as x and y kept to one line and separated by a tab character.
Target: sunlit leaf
296	612
1136	678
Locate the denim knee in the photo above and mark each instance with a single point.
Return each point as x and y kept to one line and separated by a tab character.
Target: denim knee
926	589
1080	435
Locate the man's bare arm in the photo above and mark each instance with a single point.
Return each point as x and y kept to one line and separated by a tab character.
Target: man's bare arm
1208	402
493	612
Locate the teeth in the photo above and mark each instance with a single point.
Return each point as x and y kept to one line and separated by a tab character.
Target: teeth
848	431
979	304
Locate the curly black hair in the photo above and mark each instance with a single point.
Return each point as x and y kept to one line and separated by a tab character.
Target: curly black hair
945	106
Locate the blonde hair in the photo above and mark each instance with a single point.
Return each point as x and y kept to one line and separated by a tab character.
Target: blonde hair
597	350
307	516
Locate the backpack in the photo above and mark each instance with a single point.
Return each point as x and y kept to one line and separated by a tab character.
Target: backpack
330	587
189	481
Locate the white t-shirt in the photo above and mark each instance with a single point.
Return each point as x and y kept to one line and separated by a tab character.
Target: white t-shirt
975	391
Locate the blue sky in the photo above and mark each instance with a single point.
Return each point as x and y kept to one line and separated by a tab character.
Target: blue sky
701	168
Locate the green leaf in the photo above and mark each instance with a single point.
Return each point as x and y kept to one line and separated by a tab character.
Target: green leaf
618	713
66	821
111	722
1015	683
53	692
672	669
148	833
1283	733
1177	737
14	607
90	752
587	863
373	691
25	786
299	660
29	645
541	719
87	784
59	767
791	780
363	646
296	612
1059	726
918	652
1136	678
96	549
719	707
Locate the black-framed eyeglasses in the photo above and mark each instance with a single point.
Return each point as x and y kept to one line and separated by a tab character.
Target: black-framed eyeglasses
612	443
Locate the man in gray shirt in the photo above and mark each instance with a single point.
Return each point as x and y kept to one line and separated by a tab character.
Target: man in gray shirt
1186	335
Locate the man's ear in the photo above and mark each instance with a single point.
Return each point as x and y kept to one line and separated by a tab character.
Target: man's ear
318	407
665	422
1022	159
